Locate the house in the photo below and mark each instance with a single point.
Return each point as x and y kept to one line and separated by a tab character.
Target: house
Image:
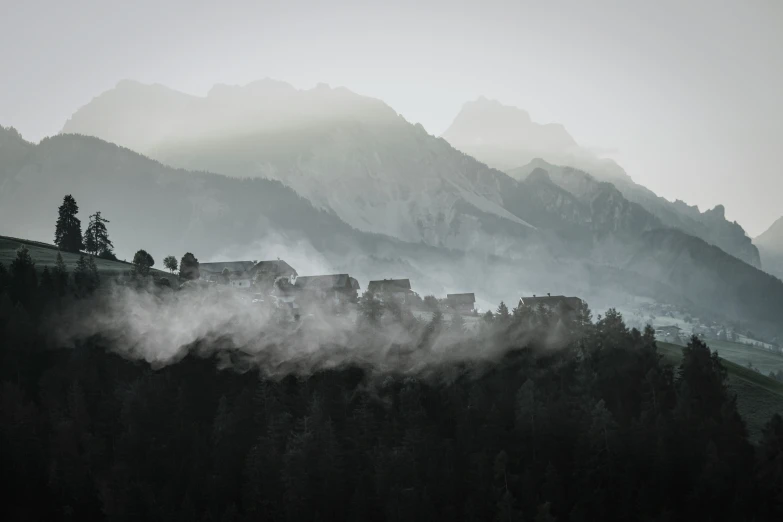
669	331
462	303
338	288
398	289
244	274
559	304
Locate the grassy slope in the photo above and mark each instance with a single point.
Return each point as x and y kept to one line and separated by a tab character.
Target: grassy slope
45	255
758	396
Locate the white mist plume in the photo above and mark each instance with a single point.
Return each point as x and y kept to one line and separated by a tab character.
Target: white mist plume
162	326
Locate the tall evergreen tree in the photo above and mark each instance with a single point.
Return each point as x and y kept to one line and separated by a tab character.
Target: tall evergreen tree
47	282
68	231
96	237
94	276
85	276
502	313
60	275
3	278
24	281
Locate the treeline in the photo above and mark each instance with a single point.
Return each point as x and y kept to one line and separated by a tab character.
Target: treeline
598	428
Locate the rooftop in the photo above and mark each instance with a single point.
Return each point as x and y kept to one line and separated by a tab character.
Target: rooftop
389	285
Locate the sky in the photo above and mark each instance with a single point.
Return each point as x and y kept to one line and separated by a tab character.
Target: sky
686	95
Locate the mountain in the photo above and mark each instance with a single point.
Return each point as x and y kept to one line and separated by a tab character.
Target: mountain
709	275
345	153
770	245
506	138
355	157
171	211
710	225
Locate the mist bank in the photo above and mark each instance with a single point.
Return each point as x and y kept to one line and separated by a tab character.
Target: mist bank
161	326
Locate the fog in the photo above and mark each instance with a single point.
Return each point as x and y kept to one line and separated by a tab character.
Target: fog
163	326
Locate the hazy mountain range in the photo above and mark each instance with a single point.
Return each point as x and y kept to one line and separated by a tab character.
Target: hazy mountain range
332	180
505	138
770	245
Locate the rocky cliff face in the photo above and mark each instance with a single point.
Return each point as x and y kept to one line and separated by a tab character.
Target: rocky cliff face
347	154
710	225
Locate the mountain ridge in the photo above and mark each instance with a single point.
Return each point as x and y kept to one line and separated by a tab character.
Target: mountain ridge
169	211
770	245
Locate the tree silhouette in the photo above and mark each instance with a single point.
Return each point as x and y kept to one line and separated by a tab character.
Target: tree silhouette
3	278
60	275
142	262
188	267
502	313
96	237
24	280
85	276
170	262
68	231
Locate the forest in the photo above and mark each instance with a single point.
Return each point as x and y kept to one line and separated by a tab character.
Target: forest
568	418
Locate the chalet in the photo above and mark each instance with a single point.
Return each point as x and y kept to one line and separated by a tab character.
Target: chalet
398	289
244	274
554	303
462	303
669	331
338	288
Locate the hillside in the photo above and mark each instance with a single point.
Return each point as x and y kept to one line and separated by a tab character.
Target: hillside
758	396
46	255
709	275
770	245
710	225
506	138
169	212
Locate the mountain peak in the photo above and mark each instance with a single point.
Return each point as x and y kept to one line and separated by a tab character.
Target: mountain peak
719	211
772	238
146	117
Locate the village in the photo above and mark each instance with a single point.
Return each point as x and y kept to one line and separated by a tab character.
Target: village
278	285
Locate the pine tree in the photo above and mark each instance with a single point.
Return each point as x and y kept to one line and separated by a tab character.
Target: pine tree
68	231
502	313
47	283
95	279
60	275
24	281
769	468
3	278
96	237
170	262
81	276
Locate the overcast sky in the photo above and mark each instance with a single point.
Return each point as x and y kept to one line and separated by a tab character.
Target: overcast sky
687	95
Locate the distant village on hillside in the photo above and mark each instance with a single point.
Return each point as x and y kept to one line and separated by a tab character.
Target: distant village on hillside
280	283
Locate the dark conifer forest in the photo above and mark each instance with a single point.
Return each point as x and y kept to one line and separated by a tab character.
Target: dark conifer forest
592	426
